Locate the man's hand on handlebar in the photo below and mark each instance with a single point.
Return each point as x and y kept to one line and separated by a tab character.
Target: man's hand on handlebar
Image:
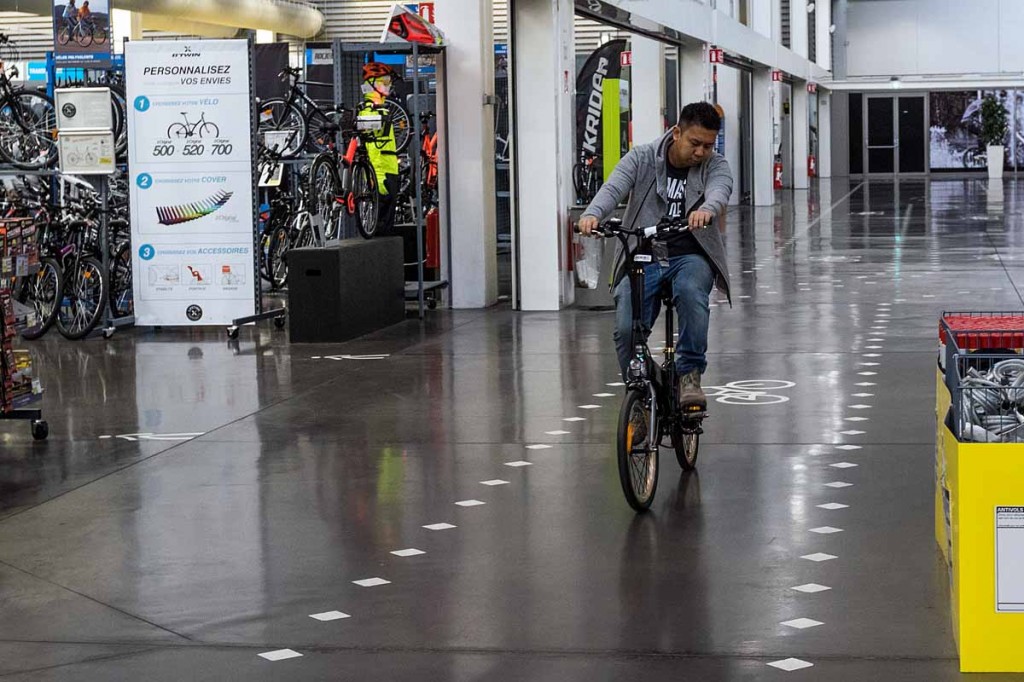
700	219
588	224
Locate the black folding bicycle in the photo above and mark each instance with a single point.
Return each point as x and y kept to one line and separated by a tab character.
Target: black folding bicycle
650	410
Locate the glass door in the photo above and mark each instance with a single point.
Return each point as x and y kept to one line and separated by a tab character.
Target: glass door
911	133
880	138
894	134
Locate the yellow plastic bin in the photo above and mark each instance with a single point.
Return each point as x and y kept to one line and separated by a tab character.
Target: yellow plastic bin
985	483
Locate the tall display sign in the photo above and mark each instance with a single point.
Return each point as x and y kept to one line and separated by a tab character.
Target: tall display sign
81	33
192	189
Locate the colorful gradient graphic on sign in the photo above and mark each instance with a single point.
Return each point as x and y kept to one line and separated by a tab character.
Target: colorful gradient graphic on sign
176	215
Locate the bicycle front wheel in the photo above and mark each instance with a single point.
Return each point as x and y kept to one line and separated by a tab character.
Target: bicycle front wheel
122	302
85	295
83	36
324	189
44	293
99	35
638	450
28	131
277	257
209	131
364	190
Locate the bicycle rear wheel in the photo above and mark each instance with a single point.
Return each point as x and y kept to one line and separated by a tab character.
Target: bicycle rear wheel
364	189
399	123
278	114
686	443
638	450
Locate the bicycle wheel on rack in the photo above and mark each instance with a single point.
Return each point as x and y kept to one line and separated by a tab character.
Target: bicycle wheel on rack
324	189
85	295
278	114
400	123
120	101
44	296
28	131
122	303
277	257
322	131
364	192
637	451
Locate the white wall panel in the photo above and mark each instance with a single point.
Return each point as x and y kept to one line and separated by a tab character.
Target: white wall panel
926	37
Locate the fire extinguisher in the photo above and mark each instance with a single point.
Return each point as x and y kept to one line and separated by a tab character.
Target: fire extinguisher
812	167
777	175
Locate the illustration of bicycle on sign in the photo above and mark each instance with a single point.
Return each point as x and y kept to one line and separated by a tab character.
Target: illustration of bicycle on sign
184	130
750	392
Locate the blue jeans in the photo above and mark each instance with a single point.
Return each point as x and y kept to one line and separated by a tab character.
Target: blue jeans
690	278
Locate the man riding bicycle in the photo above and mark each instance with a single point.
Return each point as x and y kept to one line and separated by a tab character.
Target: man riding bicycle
678	176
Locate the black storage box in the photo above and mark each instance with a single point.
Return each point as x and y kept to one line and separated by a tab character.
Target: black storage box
345	290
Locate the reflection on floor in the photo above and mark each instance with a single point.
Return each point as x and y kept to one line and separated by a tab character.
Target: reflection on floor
395	519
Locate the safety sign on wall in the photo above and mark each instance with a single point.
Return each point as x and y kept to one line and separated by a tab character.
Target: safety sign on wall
191	159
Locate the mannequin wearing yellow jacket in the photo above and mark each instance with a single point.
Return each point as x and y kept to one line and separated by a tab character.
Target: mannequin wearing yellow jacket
382	149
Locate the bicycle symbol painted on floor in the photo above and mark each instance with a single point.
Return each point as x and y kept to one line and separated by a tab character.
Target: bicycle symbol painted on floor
750	392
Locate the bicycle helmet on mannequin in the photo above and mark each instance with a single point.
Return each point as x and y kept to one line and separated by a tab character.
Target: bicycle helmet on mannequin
375	70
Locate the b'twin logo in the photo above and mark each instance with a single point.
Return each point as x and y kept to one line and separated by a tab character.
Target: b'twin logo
594	105
194	313
187	54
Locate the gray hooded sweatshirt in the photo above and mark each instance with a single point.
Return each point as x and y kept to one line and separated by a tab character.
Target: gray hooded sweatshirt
643	176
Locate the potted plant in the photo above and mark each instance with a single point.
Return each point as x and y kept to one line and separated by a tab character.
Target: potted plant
993	132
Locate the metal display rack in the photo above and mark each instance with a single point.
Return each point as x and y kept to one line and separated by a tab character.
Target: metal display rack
348	63
18	387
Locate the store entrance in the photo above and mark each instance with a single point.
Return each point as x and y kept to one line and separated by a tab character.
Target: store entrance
894	134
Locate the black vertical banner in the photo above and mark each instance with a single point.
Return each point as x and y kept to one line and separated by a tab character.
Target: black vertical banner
605	62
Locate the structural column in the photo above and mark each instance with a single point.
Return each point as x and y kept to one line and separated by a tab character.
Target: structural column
764	135
798	33
544	69
822	35
801	123
696	75
824	134
470	79
648	95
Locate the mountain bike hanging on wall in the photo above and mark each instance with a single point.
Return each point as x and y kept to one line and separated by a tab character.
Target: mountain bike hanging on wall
650	411
313	126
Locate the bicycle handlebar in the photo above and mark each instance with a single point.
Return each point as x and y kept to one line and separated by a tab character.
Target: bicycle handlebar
613	227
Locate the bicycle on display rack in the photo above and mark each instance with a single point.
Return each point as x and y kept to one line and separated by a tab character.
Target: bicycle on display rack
28	125
313	126
586	177
650	410
428	169
348	182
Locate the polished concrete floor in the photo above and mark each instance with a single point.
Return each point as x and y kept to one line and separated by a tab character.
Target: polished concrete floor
199	500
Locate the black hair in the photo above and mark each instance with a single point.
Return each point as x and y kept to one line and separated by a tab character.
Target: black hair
702	114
